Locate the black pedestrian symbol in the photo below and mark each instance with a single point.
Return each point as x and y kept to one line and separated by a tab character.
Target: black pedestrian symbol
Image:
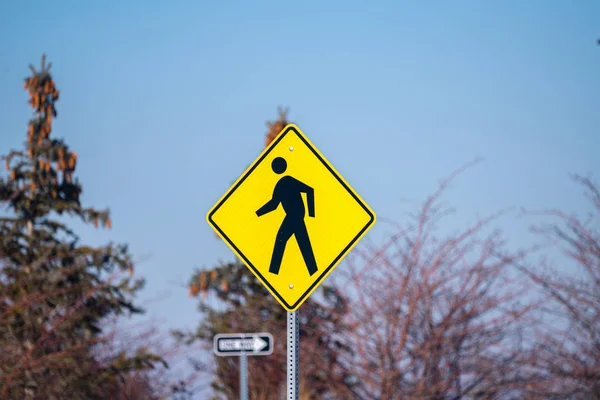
288	192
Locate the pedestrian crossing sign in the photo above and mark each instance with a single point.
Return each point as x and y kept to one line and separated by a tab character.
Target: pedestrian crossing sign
291	218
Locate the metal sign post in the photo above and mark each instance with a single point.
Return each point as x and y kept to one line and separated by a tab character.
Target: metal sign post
293	344
243	377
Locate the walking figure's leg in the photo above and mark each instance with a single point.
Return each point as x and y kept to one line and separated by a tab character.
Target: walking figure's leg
306	248
281	239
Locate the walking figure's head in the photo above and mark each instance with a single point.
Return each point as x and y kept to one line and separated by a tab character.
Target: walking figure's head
279	165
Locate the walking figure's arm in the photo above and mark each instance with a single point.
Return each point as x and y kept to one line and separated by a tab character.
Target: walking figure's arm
310	198
269	206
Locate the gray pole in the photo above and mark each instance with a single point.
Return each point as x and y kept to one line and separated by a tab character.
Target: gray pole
243	377
293	344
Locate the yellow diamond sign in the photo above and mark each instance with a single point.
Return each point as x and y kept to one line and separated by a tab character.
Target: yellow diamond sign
291	217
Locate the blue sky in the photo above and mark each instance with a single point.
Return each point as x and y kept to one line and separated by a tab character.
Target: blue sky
166	104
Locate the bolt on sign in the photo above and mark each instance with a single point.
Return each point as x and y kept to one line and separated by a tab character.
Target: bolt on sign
291	217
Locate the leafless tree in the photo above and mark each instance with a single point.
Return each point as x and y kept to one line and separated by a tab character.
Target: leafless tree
568	352
440	317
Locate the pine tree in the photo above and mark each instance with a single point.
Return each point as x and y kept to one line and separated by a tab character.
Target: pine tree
246	306
275	127
55	292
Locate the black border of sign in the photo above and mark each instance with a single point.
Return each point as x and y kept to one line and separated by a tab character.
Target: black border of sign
334	262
